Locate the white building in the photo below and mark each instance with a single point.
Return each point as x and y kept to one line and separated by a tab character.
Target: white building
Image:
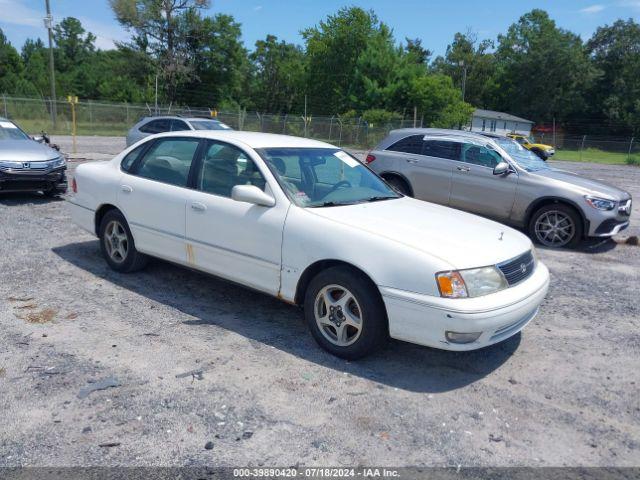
498	122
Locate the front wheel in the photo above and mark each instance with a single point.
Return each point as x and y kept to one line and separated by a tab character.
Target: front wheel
345	313
556	226
117	245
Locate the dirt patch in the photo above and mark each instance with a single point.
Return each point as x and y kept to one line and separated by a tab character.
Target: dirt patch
45	315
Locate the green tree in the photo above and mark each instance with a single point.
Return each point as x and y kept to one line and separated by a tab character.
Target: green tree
161	29
218	59
439	102
333	48
74	45
11	66
278	79
544	70
615	50
467	53
36	66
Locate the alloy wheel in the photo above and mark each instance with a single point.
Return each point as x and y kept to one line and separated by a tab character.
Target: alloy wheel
554	228
338	315
116	241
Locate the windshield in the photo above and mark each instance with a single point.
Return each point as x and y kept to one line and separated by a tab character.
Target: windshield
324	177
209	125
9	131
523	157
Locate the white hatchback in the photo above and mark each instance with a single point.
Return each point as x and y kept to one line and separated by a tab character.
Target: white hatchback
308	223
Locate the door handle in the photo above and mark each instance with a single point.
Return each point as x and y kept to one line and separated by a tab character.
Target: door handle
412	160
463	169
126	188
198	207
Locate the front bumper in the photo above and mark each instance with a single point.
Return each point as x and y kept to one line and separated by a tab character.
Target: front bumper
609	222
424	319
33	181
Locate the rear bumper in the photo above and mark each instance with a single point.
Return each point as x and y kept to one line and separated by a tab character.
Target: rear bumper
34	181
424	319
82	216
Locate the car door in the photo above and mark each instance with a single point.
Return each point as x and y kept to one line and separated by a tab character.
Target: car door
433	169
474	187
235	240
153	196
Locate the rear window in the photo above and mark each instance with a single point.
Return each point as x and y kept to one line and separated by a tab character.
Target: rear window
412	144
442	149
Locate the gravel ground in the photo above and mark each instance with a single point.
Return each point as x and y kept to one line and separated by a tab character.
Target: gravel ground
100	368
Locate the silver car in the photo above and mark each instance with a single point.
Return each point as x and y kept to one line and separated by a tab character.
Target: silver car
27	165
159	124
495	177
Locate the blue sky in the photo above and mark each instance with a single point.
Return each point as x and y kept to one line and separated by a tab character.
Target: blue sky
435	21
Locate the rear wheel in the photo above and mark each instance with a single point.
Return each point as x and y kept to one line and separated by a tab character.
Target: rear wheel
399	184
345	313
117	245
556	226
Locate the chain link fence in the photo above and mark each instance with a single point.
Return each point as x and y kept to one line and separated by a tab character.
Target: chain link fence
102	118
115	119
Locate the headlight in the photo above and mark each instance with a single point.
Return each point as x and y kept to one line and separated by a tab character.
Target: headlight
4	164
55	163
474	282
600	203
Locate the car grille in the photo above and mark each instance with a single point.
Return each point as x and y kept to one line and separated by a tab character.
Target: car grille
518	269
624	207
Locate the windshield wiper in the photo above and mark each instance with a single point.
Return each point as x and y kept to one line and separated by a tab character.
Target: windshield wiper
379	198
331	204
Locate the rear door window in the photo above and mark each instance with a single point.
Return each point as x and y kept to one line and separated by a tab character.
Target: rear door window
178	126
156	126
442	149
411	144
169	160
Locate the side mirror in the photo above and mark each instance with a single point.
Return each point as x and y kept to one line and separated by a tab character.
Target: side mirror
38	138
252	194
502	168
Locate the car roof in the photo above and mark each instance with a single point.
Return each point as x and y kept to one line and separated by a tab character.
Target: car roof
253	139
178	117
399	134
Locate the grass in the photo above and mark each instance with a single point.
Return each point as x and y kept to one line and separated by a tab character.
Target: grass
594	155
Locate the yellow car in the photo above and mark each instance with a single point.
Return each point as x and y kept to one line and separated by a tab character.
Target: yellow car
540	149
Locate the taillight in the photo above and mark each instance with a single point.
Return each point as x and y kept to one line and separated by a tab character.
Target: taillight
370	158
74	186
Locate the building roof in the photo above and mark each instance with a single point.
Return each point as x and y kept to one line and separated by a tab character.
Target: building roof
499	116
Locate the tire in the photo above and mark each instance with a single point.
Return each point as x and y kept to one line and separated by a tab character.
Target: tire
399	184
556	216
343	287
117	245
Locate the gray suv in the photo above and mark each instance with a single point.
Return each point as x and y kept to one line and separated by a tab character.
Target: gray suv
159	124
496	177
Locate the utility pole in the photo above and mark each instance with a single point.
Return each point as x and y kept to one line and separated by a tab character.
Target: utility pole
415	116
464	77
156	94
48	23
305	114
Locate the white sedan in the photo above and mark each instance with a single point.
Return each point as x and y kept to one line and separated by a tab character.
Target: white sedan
306	222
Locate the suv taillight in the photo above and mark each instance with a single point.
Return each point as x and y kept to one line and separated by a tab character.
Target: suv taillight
370	158
74	186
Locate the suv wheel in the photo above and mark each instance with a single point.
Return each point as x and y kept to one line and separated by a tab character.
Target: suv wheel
345	313
556	226
117	245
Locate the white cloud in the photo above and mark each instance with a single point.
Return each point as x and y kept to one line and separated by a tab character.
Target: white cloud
257	8
593	9
15	13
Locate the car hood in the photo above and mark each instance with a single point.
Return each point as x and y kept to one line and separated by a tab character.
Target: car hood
26	151
584	185
458	238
